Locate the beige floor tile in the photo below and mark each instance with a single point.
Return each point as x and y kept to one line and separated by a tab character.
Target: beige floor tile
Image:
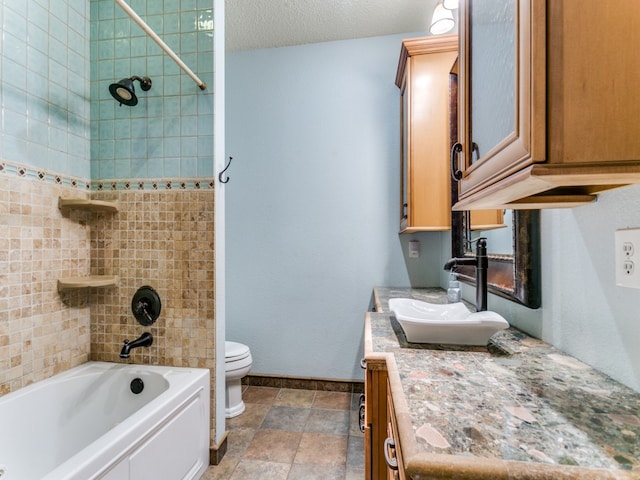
264	395
252	417
292	434
292	419
260	470
355	453
354	474
273	446
223	471
328	421
238	439
332	400
290	397
315	472
322	449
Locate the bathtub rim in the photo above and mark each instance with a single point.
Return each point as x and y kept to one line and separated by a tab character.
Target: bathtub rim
123	439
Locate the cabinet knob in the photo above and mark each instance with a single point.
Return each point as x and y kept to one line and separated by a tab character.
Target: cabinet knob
392	462
456	174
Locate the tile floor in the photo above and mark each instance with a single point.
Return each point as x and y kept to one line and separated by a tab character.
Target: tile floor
291	434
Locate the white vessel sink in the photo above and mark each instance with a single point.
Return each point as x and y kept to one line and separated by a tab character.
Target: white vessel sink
451	323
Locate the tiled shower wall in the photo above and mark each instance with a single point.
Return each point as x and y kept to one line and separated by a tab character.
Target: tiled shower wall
42	332
163	239
44	153
169	133
44	85
60	130
157	159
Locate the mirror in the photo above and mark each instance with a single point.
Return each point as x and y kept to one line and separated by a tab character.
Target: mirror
513	274
515	277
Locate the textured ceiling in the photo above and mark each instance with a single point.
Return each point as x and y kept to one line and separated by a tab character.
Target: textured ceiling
252	24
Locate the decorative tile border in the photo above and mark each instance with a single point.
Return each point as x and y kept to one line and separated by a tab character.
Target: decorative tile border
24	171
154	184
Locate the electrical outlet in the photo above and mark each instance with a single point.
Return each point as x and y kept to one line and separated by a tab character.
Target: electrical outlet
627	243
414	249
628	268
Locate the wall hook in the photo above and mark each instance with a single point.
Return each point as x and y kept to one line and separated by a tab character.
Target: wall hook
225	169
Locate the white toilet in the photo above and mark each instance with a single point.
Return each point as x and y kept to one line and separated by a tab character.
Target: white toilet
237	364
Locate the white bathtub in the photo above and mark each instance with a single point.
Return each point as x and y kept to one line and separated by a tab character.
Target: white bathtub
87	423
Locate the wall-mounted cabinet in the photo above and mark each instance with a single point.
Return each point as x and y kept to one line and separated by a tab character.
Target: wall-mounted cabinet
548	102
423	79
478	220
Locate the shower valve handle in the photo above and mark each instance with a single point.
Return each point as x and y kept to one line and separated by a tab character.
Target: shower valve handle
141	309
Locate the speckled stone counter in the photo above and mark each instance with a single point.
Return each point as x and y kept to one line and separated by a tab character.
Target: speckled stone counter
518	408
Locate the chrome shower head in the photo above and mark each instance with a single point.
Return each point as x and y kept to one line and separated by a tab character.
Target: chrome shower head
124	91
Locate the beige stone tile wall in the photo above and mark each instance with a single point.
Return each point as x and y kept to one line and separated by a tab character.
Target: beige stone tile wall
164	239
41	331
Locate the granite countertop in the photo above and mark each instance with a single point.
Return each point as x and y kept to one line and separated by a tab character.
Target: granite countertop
518	408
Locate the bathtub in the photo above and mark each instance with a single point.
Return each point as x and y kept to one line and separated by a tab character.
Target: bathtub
87	423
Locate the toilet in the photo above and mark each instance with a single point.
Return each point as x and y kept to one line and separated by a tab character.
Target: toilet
237	364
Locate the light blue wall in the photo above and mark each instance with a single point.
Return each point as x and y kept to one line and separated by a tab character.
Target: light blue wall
312	204
583	312
44	85
169	134
311	222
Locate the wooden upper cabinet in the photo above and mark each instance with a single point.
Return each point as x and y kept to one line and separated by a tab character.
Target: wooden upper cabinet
423	79
548	101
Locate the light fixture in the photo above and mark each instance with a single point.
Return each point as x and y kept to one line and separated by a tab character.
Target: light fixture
442	20
450	4
124	91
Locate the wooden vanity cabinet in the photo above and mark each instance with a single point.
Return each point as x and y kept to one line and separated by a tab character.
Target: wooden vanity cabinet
395	463
423	79
381	431
549	102
375	414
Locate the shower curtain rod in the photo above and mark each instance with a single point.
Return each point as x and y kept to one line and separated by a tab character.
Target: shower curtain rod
136	18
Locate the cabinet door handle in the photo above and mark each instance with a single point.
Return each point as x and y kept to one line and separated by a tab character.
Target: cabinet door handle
363	363
456	174
404	210
390	444
361	411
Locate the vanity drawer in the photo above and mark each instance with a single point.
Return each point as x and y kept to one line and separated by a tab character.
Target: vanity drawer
392	450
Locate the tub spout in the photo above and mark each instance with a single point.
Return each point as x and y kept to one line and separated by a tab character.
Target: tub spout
145	340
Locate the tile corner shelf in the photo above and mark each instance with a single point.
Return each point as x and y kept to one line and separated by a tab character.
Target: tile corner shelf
87	282
87	204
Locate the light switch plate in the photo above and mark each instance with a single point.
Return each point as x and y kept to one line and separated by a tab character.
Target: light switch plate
627	254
